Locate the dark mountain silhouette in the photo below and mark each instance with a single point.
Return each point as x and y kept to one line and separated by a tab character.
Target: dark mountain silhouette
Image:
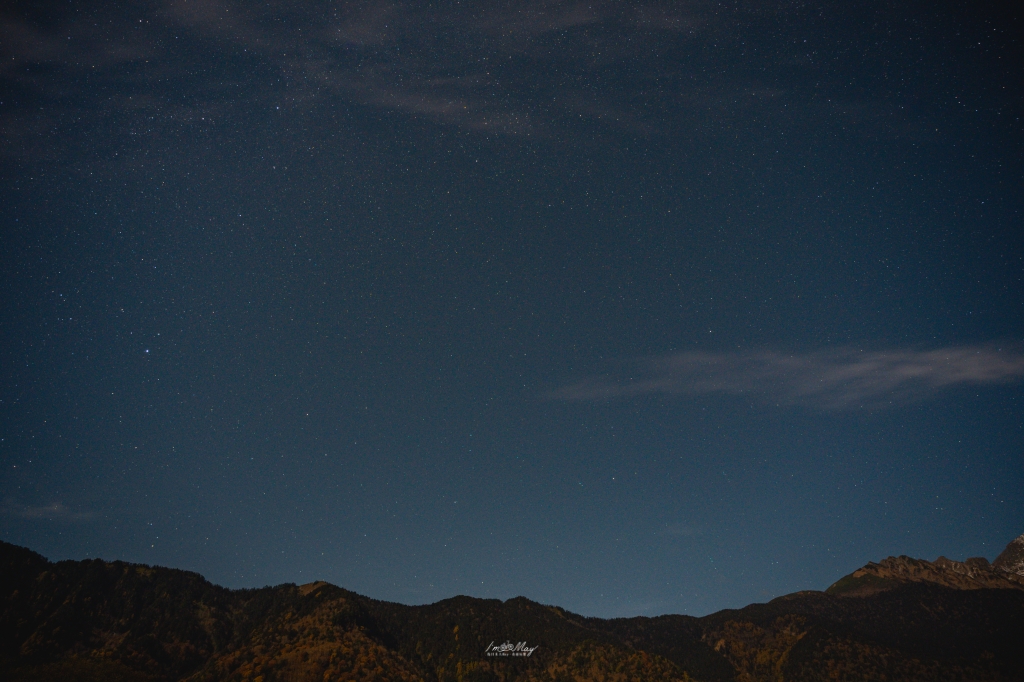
899	619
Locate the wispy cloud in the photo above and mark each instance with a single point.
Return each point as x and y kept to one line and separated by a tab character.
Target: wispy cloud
536	18
836	378
50	512
453	65
685	530
540	69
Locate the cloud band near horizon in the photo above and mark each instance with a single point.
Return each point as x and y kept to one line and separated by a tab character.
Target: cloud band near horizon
836	378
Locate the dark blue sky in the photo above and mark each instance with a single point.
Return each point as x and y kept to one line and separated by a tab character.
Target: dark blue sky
634	308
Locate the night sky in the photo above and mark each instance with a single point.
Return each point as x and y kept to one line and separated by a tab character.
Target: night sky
633	308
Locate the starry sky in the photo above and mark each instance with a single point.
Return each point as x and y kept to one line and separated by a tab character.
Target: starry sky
630	307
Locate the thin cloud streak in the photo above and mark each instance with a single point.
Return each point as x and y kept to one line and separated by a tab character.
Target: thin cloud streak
459	65
447	65
50	512
833	379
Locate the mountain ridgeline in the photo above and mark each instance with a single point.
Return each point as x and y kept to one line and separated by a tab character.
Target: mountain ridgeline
900	619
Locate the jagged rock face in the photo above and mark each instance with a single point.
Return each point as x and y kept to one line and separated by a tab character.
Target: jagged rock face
888	573
1012	558
973	574
980	571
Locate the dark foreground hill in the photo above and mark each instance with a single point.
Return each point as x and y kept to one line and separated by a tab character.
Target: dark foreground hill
901	619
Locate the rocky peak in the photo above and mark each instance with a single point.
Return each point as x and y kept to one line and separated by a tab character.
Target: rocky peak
1007	572
1011	560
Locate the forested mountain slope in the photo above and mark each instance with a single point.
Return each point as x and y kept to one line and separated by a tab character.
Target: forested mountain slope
900	619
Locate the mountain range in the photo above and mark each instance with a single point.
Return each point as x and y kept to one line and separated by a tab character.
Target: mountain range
898	619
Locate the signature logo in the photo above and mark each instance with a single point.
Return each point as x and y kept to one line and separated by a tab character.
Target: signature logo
510	649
